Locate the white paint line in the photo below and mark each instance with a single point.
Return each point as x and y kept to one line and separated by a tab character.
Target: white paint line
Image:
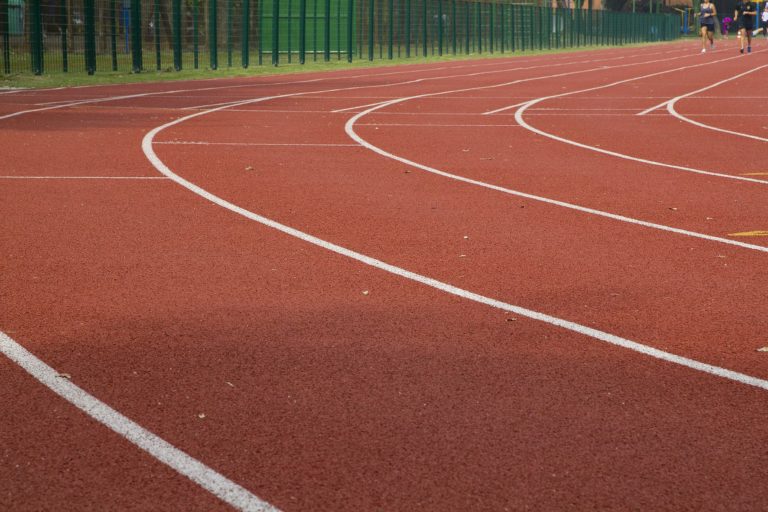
438	285
197	143
673	101
520	111
81	102
350	129
202	475
502	109
357	107
655	107
82	178
210	105
442	125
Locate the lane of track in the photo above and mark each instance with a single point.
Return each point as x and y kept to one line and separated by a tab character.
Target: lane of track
330	362
304	200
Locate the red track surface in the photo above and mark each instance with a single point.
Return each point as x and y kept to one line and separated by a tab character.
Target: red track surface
319	383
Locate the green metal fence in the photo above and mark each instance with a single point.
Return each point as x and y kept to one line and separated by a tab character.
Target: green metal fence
91	36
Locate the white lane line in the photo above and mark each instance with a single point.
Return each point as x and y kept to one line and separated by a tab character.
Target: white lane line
209	105
352	122
442	125
350	129
148	149
197	143
202	475
655	107
357	107
673	101
502	109
520	111
82	178
665	104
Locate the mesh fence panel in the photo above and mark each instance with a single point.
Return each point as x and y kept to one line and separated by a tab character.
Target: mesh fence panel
89	36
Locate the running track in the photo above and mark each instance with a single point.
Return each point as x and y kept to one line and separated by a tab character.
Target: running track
506	284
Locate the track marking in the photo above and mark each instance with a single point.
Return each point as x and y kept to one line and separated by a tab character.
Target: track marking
519	118
502	109
350	129
186	465
671	107
357	107
147	147
666	104
441	125
82	178
196	143
756	174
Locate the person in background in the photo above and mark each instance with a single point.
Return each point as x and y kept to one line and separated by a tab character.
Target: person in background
707	22
744	14
764	21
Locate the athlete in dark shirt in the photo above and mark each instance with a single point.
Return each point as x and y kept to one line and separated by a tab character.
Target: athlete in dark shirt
744	14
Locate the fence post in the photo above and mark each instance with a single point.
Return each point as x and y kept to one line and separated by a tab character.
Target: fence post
491	23
327	32
196	33
466	28
290	30
440	27
37	37
113	33
407	28
176	14
246	32
90	36
391	28
5	30
275	31
453	21
156	22
424	28
229	33
213	33
64	38
302	31
136	50
370	29
260	37
350	21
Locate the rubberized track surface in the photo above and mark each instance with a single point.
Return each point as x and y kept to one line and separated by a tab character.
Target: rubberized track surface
487	285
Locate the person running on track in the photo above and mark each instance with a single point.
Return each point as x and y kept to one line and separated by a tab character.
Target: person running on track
744	14
707	22
764	21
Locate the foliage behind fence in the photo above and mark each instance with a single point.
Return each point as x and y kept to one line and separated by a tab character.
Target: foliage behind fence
52	36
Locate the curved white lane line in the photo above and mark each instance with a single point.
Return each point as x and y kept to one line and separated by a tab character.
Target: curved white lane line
202	475
671	107
147	146
519	118
350	129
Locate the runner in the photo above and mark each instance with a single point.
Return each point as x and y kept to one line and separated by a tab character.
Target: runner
764	21
744	14
707	22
